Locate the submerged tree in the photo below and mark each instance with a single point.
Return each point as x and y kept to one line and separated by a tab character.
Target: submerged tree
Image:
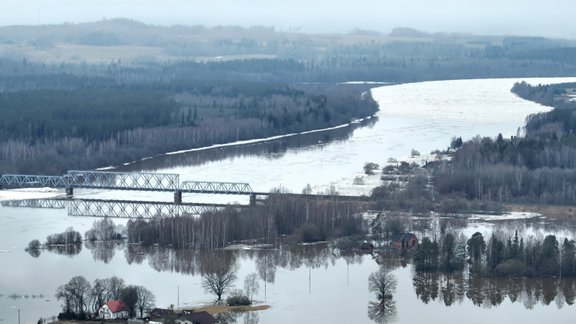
568	259
218	283
251	285
383	283
451	259
426	256
476	250
549	263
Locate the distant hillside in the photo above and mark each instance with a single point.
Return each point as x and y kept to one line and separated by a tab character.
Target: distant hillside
404	54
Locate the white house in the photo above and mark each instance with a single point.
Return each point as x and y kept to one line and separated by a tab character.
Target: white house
113	309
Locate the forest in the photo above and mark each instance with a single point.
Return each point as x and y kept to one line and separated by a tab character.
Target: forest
83	96
49	131
535	167
297	219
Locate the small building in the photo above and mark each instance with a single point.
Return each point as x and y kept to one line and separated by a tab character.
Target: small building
404	240
160	312
113	309
196	318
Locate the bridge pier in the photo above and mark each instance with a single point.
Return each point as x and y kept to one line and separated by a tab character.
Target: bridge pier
69	191
252	199
178	197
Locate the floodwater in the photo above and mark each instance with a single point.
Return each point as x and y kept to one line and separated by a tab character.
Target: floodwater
306	284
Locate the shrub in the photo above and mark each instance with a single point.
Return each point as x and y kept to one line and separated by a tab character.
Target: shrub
369	168
238	300
33	245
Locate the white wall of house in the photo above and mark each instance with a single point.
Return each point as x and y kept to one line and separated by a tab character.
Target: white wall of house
105	313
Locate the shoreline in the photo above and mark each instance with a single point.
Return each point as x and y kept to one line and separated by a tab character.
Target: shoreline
242	142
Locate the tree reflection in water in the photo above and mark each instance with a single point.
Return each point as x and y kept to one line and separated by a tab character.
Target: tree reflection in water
446	288
490	292
383	283
103	250
65	249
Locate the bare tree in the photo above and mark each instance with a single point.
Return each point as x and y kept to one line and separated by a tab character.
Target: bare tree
251	285
102	230
145	301
115	287
75	294
99	293
383	283
218	283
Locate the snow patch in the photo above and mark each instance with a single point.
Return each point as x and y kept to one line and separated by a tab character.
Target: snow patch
266	139
506	216
30	193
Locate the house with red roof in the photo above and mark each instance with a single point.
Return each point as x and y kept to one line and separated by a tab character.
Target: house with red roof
113	309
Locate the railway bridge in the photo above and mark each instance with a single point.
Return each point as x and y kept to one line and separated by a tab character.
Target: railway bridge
137	181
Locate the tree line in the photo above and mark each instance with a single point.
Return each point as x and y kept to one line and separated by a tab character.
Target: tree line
538	167
305	219
51	130
70	241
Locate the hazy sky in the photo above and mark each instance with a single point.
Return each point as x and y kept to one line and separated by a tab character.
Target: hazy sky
527	17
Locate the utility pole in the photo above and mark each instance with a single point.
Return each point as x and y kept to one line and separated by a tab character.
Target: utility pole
18	315
178	299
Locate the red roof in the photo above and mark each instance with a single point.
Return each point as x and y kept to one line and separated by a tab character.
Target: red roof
116	306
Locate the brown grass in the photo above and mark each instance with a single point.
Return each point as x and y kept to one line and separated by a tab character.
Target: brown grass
550	211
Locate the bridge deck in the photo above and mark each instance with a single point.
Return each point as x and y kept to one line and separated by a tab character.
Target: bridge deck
120	208
136	181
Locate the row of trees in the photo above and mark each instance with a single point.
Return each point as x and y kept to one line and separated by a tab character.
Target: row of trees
82	300
306	219
70	241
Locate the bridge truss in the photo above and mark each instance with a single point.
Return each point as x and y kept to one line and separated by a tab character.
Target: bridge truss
141	181
138	181
136	209
124	180
33	181
230	188
37	203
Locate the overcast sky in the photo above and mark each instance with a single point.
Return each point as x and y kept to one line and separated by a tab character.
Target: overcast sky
526	17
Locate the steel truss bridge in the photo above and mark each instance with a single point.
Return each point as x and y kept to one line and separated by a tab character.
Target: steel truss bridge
120	208
140	181
137	181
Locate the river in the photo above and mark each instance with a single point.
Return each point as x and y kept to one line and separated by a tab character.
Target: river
314	285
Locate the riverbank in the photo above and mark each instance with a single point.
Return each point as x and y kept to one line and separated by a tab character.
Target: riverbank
240	143
549	211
